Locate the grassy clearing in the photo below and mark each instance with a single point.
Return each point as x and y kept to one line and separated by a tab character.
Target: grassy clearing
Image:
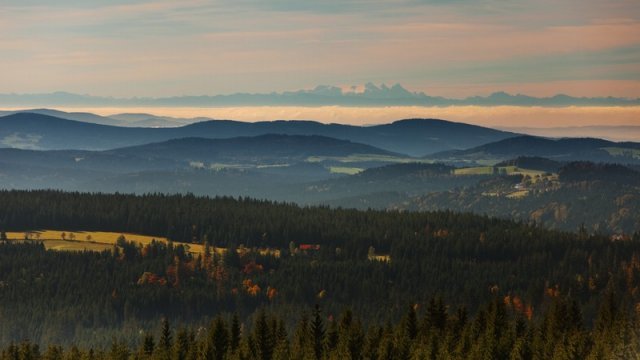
478	170
65	245
219	166
102	240
491	193
551	177
84	236
500	170
487	162
354	158
269	166
476	159
532	173
381	258
89	240
518	194
614	151
344	170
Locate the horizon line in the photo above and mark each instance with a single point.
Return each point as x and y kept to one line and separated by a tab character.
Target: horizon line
363	91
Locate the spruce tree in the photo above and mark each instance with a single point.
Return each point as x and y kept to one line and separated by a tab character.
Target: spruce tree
300	338
219	339
181	345
263	341
148	345
119	351
234	340
411	323
317	332
165	336
332	336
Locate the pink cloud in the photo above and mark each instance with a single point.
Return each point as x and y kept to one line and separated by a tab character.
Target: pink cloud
225	47
465	42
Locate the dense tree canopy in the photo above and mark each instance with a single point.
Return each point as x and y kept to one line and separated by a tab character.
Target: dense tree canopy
374	263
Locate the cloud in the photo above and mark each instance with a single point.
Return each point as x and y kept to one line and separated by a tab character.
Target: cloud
500	116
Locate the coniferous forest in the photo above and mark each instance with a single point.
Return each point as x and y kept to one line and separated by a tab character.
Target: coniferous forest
334	283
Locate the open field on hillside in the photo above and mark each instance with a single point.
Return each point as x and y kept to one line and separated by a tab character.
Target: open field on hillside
478	170
633	153
69	245
354	158
533	180
102	240
88	240
479	159
518	194
344	170
490	170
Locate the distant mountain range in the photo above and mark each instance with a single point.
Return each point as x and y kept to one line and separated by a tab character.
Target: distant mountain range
370	95
414	137
126	119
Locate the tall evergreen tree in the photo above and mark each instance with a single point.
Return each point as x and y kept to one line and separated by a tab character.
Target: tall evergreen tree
317	332
148	345
234	335
263	340
181	345
166	337
218	339
300	338
411	323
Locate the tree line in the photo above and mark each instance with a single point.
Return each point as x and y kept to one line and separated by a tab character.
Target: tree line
435	332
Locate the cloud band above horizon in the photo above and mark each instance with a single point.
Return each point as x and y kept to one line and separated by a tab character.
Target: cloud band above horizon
446	48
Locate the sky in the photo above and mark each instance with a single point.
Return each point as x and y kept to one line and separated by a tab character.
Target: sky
452	48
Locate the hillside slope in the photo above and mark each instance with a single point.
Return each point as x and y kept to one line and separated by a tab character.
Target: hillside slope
415	137
565	149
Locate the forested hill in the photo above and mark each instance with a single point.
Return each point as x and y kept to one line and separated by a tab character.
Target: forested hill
416	137
589	172
533	163
565	149
374	262
228	221
599	197
265	148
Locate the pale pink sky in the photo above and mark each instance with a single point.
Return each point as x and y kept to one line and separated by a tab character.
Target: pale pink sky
126	48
